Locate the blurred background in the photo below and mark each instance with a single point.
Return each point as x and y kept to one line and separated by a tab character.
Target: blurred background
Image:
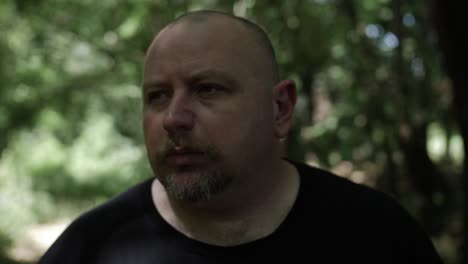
381	102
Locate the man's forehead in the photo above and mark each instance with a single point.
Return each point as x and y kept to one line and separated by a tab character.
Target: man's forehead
191	47
214	39
214	26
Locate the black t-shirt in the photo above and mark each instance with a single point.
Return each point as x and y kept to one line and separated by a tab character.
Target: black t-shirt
332	221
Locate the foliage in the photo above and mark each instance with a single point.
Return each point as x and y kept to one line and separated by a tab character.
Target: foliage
374	104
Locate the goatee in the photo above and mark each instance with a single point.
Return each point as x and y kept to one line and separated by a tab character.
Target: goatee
195	182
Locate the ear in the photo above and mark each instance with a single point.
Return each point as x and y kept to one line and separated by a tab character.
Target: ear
284	99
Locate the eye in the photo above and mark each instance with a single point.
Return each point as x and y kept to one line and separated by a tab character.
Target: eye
208	89
157	97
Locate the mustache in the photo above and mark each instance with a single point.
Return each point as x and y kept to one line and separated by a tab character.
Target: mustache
186	141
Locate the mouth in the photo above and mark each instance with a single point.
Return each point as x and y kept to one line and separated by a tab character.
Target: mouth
183	156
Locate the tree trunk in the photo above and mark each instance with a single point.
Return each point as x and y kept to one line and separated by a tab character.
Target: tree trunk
452	37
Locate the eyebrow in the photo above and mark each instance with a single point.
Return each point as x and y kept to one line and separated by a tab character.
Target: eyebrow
212	74
194	77
152	84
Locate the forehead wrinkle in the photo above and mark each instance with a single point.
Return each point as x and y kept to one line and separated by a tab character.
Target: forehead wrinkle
244	48
251	31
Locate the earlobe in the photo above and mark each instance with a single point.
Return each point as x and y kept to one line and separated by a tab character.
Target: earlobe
285	101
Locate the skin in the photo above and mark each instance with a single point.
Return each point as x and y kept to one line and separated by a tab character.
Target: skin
213	124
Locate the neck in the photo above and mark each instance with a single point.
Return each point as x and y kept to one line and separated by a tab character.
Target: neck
243	213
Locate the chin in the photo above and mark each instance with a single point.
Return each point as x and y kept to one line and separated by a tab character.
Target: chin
194	186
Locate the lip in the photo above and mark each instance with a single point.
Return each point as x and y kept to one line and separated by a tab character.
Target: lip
184	156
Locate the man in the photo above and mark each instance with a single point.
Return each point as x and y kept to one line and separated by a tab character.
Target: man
215	113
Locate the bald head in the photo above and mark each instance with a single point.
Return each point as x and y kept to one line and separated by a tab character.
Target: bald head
261	50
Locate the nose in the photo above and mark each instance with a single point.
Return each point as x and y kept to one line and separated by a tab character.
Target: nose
179	115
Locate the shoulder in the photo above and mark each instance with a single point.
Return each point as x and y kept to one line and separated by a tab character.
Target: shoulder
360	215
338	197
92	227
118	208
325	187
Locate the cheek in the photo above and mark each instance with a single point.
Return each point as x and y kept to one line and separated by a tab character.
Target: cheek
152	129
243	130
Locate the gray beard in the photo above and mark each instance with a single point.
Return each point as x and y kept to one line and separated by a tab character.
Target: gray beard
200	187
